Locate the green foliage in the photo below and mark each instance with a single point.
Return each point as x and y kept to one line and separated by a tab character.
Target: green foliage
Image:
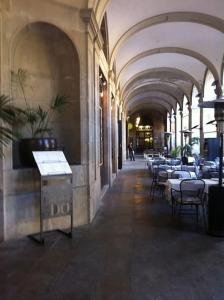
175	152
187	150
195	141
35	120
8	115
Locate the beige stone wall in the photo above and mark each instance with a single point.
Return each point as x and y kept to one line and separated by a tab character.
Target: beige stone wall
56	46
52	67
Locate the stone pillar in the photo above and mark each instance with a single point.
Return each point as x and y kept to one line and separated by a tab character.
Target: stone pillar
201	127
109	128
175	125
190	121
181	131
94	44
170	129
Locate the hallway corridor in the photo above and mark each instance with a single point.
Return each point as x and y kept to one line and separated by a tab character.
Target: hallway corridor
133	250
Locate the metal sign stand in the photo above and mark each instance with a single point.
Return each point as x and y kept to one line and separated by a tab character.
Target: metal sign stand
56	199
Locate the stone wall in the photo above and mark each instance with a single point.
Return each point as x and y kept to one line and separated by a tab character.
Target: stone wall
52	42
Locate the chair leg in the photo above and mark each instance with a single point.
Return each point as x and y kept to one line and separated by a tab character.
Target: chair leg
180	208
151	188
152	191
173	206
204	217
197	213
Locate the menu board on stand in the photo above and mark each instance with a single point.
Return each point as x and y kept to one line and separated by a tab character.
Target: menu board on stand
56	199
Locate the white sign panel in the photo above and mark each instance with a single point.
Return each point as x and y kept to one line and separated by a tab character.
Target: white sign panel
51	163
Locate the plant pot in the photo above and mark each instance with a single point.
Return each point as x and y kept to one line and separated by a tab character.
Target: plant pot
26	146
184	160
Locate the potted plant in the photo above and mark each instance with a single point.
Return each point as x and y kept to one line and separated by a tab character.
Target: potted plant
8	115
33	125
175	152
188	149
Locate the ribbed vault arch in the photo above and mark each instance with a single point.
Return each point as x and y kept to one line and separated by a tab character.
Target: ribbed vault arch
149	101
183	51
166	87
194	17
143	77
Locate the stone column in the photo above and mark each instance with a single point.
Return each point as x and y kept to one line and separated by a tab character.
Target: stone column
170	129
175	125
201	127
190	121
181	131
109	128
93	42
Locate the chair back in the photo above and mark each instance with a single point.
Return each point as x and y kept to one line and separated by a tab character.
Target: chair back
213	174
162	175
192	188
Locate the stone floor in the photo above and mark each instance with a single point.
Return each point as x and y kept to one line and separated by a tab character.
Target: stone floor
133	250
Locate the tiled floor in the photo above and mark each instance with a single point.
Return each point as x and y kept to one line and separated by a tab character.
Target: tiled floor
133	250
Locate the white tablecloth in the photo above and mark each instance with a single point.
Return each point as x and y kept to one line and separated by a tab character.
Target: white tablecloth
193	175
175	184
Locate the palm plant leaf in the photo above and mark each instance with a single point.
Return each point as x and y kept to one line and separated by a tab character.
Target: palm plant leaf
8	113
35	120
41	131
6	135
42	114
31	116
58	102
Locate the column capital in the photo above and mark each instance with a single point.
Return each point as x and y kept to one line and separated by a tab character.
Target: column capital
218	88
89	18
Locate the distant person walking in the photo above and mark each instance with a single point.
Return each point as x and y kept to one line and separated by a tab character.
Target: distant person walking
131	152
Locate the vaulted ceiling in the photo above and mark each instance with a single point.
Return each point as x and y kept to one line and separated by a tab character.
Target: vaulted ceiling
162	48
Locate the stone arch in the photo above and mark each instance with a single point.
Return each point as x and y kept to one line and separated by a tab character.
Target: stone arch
52	63
183	51
104	33
100	9
154	86
194	17
222	72
146	100
164	97
147	72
